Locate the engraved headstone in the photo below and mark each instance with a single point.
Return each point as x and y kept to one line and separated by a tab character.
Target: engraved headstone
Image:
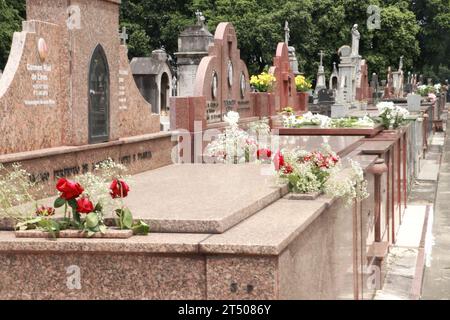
325	95
88	98
222	77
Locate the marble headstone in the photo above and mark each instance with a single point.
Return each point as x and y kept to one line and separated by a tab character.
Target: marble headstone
414	101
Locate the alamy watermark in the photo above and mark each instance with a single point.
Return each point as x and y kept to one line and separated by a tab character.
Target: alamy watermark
374	20
74	277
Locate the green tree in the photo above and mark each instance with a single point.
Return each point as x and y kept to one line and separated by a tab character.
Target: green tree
434	19
10	21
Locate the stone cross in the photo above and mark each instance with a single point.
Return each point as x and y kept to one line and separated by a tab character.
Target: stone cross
123	36
321	54
200	18
287	35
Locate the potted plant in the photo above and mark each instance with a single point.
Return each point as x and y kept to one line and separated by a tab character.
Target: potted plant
303	85
263	85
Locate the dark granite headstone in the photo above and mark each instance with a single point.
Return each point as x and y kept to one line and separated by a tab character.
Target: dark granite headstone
325	95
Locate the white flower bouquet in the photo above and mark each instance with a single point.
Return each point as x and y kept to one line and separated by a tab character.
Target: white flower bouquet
391	116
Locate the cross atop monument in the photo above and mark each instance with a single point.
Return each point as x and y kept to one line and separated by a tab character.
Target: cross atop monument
123	36
287	35
321	54
200	18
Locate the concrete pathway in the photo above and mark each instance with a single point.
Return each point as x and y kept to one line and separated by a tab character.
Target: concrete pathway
436	283
416	250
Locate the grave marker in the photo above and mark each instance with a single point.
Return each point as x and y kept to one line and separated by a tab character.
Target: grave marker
222	77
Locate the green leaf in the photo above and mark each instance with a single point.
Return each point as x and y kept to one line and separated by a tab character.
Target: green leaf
90	233
127	219
98	207
141	228
92	220
73	204
119	212
59	202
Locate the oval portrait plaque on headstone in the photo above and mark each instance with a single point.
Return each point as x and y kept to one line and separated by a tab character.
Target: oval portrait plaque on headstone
42	49
243	85
214	85
230	73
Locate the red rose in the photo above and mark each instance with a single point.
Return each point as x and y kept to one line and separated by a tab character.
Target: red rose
288	169
263	154
84	205
69	189
278	161
119	189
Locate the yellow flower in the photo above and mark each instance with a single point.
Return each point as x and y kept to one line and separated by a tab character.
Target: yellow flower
302	83
262	82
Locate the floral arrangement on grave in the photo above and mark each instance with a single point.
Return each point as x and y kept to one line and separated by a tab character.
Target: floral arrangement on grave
290	120
425	90
234	145
84	204
302	84
390	115
16	190
320	171
432	97
437	88
263	82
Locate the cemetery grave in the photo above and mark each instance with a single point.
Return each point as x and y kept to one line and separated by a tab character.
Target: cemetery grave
301	212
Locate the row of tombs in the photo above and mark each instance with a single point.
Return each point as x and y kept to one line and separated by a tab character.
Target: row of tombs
244	239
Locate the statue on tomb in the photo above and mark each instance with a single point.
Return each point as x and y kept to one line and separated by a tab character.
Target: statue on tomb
421	80
287	35
400	64
356	36
123	36
200	18
388	90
